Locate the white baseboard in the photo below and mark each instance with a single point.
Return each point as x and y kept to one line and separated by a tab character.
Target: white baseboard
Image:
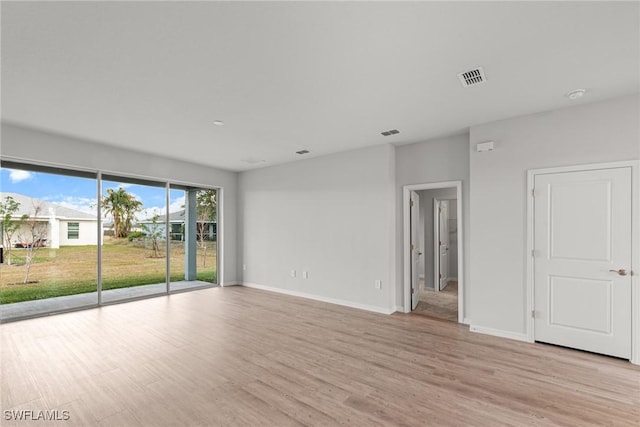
453	278
234	283
399	309
319	298
499	333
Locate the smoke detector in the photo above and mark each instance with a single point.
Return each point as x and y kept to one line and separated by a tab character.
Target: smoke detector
472	77
575	94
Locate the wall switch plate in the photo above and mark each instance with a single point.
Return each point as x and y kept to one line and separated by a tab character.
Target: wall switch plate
378	284
293	273
305	274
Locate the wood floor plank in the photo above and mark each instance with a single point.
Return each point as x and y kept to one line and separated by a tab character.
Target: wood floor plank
243	357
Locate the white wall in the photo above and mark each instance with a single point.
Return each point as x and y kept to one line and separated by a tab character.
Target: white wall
438	160
331	216
591	133
25	144
427	245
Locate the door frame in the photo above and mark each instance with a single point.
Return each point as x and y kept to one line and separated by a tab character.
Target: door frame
436	244
414	246
406	225
635	245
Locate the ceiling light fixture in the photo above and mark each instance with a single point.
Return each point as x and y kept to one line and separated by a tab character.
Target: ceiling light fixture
218	122
254	161
575	94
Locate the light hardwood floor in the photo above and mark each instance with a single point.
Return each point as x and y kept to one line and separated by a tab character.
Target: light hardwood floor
238	356
443	304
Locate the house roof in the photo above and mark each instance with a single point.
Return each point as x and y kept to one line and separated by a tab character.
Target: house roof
175	217
27	205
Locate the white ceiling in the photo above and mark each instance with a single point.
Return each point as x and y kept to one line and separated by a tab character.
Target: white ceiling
285	76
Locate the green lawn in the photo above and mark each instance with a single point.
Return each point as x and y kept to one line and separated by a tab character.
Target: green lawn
73	270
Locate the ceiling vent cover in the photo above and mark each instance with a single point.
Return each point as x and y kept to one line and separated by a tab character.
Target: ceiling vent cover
390	132
472	77
303	152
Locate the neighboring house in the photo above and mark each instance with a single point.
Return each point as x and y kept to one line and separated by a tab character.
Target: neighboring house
176	223
64	226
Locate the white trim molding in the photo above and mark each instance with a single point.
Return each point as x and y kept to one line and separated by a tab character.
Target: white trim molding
232	283
336	301
499	333
406	242
635	246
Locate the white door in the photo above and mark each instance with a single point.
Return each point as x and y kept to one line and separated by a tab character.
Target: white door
415	251
443	244
582	260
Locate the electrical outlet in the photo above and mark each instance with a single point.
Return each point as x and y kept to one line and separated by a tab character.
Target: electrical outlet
378	284
305	274
293	273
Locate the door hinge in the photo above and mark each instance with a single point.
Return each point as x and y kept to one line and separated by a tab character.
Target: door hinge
533	314
411	203
533	253
413	290
533	192
439	276
412	246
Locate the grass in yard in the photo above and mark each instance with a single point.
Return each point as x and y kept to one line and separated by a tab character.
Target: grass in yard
73	270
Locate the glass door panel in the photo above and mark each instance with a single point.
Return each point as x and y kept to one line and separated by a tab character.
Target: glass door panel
49	229
134	242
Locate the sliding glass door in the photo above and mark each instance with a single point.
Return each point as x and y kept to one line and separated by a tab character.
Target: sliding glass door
49	228
194	241
134	242
72	239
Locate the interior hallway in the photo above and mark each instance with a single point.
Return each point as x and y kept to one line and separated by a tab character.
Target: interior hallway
443	304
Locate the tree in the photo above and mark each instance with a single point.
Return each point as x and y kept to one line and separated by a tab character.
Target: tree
32	237
123	207
154	234
206	214
10	225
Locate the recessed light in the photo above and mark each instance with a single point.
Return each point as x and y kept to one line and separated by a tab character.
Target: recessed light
254	161
575	94
218	122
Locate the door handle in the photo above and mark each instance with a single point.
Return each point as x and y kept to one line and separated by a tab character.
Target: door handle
621	272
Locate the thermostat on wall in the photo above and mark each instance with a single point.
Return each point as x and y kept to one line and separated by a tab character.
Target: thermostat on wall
484	146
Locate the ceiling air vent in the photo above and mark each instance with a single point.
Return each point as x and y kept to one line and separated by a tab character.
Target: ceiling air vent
390	132
472	77
303	152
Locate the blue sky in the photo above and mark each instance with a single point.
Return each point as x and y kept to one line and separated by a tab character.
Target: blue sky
80	193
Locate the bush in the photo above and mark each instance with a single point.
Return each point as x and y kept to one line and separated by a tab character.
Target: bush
135	235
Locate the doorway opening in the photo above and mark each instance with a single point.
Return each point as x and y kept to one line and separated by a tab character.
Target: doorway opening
433	250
